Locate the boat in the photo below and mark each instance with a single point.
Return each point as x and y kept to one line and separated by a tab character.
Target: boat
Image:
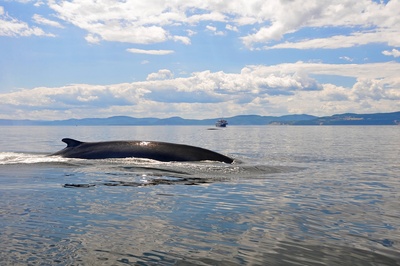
221	123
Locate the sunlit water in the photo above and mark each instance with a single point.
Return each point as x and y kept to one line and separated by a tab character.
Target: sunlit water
294	196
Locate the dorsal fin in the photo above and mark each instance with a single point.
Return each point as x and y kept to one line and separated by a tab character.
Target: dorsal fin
71	142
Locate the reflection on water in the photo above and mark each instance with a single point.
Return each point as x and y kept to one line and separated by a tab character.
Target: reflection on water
288	202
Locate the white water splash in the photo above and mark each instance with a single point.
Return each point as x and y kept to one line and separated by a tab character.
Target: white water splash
27	158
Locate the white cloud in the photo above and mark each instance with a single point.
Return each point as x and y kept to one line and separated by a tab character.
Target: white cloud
74	95
266	90
182	39
214	30
231	28
160	75
38	3
12	27
211	28
346	58
23	1
191	32
150	52
129	33
44	21
132	21
394	53
135	22
91	38
290	16
209	16
341	41
127	21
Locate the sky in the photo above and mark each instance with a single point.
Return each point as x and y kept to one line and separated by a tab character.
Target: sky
197	59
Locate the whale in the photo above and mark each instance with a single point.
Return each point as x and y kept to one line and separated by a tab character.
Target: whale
160	151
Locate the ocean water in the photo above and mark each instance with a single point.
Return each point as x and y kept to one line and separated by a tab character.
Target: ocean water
314	195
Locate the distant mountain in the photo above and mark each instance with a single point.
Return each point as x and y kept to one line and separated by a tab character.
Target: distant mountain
355	119
266	120
341	119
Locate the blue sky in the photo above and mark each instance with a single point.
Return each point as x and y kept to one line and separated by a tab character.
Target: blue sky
86	58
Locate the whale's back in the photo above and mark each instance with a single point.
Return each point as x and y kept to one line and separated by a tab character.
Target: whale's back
161	151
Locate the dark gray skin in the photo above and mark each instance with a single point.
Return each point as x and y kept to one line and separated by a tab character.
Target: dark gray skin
161	151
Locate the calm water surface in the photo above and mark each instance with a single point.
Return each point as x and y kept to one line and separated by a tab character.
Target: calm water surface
295	196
